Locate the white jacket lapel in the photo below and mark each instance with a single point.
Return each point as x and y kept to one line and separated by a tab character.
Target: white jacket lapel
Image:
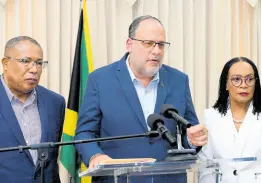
248	136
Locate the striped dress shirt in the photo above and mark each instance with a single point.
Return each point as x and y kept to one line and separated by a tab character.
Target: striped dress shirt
28	117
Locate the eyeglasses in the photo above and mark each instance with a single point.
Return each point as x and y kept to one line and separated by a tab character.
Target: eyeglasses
29	63
151	44
238	80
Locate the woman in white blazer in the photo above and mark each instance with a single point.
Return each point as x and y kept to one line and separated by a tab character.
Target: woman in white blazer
234	125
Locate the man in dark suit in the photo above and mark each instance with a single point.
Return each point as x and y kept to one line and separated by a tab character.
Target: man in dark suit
29	113
119	98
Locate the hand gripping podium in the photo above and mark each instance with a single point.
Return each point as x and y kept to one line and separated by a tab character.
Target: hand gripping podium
212	167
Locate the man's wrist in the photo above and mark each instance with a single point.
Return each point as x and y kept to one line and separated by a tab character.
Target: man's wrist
190	144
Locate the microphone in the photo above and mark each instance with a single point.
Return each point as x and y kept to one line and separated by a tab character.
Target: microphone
180	153
169	111
156	122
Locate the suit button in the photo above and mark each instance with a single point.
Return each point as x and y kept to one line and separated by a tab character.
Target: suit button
235	172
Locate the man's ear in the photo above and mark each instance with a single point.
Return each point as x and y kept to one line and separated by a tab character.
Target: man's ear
129	45
5	63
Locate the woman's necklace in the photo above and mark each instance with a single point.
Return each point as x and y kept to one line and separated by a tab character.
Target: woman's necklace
237	121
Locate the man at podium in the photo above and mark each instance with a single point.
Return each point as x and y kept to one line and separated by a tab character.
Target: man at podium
119	98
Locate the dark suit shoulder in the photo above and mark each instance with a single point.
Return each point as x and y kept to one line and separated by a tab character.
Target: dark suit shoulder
105	72
49	93
107	68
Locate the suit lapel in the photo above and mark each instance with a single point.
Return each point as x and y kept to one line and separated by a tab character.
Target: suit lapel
41	104
161	89
126	83
246	129
10	118
240	138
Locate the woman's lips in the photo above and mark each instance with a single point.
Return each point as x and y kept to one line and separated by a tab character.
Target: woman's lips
243	94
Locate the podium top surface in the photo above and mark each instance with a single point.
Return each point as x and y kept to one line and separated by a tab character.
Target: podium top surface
139	168
160	167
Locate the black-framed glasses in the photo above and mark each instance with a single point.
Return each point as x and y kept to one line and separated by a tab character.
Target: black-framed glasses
238	80
151	44
29	63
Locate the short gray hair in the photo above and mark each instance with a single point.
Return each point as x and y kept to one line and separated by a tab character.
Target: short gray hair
14	41
134	25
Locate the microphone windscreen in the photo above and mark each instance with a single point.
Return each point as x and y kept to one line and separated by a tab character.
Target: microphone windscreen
153	119
165	108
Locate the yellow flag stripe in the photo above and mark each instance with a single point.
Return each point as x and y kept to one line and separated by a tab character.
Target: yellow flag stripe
86	179
70	122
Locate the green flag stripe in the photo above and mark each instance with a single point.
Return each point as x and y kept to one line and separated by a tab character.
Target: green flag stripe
68	153
84	68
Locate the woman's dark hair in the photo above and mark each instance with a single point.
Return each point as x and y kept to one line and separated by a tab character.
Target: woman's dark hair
222	102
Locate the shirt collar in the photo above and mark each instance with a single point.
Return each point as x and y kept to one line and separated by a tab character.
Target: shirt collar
10	94
132	75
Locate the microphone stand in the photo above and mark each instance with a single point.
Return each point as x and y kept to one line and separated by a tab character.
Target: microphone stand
178	153
42	150
41	163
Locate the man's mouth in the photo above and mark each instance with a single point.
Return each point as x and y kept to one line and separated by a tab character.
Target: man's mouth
31	80
154	60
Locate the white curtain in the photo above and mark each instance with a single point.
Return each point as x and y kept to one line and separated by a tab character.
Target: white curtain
204	34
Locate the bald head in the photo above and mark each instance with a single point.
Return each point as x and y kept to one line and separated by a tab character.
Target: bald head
135	24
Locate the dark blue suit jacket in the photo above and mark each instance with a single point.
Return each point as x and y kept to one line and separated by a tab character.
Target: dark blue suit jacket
18	166
111	108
